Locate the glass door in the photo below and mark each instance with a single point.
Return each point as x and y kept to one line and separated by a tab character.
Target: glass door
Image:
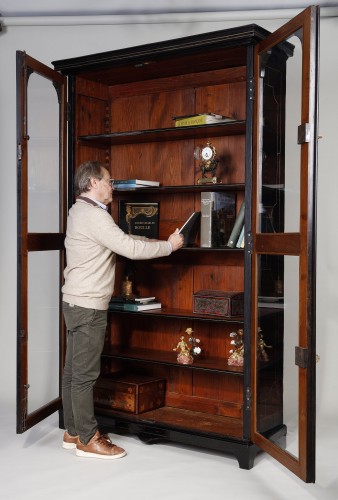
284	183
41	200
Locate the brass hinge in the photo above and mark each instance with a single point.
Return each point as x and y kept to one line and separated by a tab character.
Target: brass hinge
248	242
248	398
304	133
301	356
251	89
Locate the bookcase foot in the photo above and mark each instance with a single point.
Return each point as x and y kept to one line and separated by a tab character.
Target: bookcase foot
246	457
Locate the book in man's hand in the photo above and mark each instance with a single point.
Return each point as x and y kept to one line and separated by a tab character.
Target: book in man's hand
190	229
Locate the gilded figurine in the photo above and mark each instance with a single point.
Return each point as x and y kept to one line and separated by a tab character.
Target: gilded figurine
187	351
236	357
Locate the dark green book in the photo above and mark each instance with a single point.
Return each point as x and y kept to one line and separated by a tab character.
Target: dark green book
236	230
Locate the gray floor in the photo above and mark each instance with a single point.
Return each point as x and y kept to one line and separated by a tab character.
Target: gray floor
35	467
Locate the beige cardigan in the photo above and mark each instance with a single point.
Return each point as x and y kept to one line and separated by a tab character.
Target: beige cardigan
92	242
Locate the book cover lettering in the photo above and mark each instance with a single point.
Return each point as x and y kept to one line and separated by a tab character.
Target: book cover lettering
139	219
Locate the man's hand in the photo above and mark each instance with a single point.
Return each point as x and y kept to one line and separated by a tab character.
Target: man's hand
176	240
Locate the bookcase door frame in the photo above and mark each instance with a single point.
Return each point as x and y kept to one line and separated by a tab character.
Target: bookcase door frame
41	218
299	244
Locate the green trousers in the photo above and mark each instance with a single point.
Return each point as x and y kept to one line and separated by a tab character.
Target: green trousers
86	330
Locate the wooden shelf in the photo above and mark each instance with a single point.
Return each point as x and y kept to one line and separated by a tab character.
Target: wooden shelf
193	188
178	418
210	364
166	312
166	134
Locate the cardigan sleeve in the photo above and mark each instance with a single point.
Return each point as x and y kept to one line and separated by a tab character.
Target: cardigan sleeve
107	233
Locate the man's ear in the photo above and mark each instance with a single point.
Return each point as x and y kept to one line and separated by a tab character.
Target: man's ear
93	182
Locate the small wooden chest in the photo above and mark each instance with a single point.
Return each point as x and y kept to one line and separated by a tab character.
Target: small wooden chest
219	303
130	393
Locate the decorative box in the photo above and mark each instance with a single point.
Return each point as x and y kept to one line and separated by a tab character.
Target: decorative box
129	393
218	303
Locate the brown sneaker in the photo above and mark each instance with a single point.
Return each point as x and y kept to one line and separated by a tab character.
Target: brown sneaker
69	442
98	447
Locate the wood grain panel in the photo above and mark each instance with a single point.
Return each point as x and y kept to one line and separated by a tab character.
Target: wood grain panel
179	82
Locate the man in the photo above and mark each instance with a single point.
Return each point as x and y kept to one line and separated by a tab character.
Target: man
92	242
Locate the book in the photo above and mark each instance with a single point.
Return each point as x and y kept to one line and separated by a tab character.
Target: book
132	300
140	182
236	230
218	213
240	241
128	305
117	183
190	229
139	219
201	119
142	307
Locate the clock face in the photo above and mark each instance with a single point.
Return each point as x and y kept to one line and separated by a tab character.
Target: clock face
207	153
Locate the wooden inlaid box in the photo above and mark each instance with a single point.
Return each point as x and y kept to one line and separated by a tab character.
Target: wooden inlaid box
217	303
130	393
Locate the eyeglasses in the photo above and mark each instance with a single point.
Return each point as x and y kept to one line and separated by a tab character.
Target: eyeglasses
109	181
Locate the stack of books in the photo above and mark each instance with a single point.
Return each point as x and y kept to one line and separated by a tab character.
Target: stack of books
133	183
133	304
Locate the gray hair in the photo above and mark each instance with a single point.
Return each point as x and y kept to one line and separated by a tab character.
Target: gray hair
84	173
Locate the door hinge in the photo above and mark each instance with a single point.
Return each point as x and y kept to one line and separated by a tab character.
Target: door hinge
248	398
19	152
251	89
248	242
304	133
301	356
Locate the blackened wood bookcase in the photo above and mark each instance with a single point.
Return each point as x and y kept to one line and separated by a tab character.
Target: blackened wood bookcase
120	111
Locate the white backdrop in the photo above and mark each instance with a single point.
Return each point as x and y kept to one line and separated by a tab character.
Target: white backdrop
48	43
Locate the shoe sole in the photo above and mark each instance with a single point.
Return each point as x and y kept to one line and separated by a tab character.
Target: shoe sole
87	454
68	446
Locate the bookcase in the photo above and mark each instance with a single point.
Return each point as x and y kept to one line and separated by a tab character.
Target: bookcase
121	106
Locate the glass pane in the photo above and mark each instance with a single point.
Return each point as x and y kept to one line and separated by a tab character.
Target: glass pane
280	116
43	327
43	156
278	334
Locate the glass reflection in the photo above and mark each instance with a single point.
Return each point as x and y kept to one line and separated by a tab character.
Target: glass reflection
43	155
279	175
43	327
277	337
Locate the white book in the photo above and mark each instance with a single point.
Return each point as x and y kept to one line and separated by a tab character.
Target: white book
134	182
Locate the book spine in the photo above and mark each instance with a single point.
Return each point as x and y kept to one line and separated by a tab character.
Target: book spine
239	222
207	204
240	241
191	121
